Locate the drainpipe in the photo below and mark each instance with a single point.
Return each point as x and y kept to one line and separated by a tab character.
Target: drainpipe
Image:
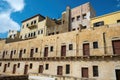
104	41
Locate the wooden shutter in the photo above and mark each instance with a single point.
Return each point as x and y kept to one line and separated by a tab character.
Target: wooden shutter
116	46
85	72
46	52
63	50
40	69
86	49
59	70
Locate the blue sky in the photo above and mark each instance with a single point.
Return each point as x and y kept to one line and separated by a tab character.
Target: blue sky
12	12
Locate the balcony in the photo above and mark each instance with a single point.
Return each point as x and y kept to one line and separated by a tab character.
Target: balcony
32	26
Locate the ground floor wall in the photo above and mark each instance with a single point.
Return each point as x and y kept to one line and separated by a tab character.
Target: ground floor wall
100	70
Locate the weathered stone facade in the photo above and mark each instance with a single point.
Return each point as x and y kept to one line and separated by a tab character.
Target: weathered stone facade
92	53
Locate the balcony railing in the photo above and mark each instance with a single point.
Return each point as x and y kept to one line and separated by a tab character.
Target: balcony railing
32	26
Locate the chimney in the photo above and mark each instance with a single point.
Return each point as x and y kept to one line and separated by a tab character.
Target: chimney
68	17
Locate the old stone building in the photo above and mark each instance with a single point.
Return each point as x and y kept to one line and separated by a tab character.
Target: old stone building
65	49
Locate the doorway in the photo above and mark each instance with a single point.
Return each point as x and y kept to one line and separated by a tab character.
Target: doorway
117	74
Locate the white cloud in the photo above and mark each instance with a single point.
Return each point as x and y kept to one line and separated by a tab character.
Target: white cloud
16	5
7	23
11	6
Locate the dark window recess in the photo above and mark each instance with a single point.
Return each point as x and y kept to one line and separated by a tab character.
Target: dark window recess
18	65
0	64
38	32
14	51
73	19
84	16
83	27
73	29
31	65
29	35
67	69
34	21
27	25
47	66
36	50
8	64
70	46
24	50
34	33
63	21
51	48
41	31
78	18
118	21
95	71
95	45
57	32
97	24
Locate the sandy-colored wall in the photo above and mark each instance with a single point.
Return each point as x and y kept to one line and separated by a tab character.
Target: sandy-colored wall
108	18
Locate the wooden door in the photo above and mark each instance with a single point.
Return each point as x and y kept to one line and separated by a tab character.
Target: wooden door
86	49
26	69
5	66
63	50
31	52
46	52
84	72
14	68
116	46
117	74
11	54
59	70
20	54
40	69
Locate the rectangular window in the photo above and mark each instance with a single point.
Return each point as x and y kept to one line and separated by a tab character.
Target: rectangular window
95	71
38	32
84	16
8	64
67	69
57	32
30	65
41	31
0	64
95	45
118	21
97	24
34	21
51	48
70	46
14	51
18	65
36	50
73	19
78	18
24	50
47	66
27	25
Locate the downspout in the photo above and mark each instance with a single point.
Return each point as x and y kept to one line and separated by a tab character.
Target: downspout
104	41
